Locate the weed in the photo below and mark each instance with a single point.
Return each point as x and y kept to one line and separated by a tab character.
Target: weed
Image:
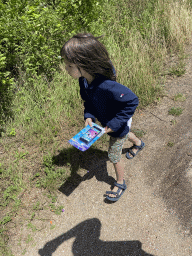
54	130
24	251
52	206
38	184
30	225
179	97
173	122
32	216
56	210
170	144
19	243
5	220
47	161
35	176
138	133
52	176
12	132
10	193
53	198
4	249
29	239
37	207
20	155
178	70
175	111
16	205
52	226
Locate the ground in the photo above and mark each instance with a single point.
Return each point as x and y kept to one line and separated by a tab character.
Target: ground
154	215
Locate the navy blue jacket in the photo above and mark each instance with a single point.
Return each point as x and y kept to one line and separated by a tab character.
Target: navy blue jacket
113	104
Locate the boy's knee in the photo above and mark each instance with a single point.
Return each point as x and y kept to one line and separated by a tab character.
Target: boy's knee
129	135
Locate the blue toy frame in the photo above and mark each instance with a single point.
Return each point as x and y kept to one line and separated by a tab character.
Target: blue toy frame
80	144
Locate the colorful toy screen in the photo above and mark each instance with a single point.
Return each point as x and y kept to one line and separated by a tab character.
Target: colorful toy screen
90	135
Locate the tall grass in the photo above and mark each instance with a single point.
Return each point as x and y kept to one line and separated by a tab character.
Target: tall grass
41	112
138	41
139	36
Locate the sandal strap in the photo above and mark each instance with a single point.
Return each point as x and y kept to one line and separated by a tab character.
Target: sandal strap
132	147
139	147
135	146
112	192
121	186
118	193
130	151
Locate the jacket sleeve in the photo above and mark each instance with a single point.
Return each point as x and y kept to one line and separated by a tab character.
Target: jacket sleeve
127	105
87	106
87	111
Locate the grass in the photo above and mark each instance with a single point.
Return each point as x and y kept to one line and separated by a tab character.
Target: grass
173	122
175	111
178	70
34	143
179	97
170	144
138	133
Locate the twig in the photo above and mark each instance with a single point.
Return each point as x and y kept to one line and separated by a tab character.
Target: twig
157	117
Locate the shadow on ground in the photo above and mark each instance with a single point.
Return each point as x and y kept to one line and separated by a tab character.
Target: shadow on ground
87	242
94	161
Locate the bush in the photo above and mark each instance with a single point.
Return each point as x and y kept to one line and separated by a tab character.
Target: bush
39	31
5	91
32	34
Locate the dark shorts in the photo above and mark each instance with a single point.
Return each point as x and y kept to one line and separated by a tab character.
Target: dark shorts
115	148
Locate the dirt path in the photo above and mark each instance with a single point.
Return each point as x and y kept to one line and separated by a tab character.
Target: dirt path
153	217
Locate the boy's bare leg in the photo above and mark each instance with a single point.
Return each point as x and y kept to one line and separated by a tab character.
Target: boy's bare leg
134	140
119	169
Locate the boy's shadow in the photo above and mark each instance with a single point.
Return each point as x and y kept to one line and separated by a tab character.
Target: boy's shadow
93	161
87	242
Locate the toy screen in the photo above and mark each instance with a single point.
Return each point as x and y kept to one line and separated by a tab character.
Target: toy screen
90	134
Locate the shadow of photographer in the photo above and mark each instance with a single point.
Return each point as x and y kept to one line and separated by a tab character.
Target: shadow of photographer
87	242
93	160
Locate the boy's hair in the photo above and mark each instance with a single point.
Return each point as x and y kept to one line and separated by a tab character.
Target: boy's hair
87	52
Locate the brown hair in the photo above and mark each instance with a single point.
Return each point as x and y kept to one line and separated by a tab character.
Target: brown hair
87	52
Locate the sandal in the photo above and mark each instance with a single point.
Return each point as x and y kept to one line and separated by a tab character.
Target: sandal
121	187
137	147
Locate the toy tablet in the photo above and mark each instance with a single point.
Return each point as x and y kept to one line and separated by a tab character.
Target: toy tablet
87	136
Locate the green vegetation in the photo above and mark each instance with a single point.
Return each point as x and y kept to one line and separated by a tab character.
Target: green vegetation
175	111
30	50
178	70
41	107
179	97
170	144
138	133
173	122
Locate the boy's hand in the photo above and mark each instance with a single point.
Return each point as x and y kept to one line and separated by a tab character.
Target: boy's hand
88	121
107	129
